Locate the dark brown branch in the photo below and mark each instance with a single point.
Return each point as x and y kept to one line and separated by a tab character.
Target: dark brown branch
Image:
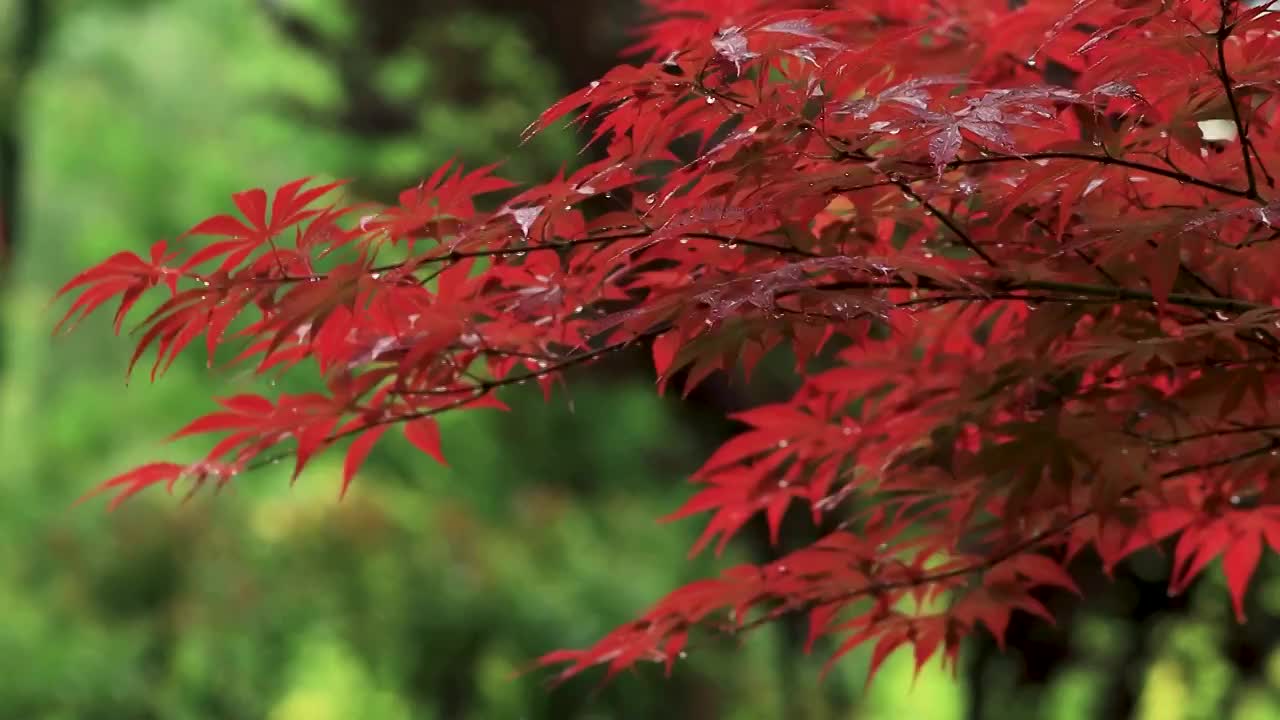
1242	135
475	392
1208	435
947	221
987	563
1081	290
1100	159
600	240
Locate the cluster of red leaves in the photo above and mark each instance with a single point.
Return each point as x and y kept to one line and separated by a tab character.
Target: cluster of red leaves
1032	304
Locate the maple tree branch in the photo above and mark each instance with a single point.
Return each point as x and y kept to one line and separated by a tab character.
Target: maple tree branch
1273	444
486	386
947	221
989	562
1259	337
700	84
1207	434
982	297
474	392
1220	38
1000	289
1182	177
1102	160
1007	285
1271	237
602	240
1183	299
1078	252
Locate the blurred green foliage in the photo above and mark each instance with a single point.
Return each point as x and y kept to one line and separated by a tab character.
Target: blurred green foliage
429	590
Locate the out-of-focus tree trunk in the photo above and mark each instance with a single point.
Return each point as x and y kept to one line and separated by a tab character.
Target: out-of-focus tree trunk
30	21
27	33
581	38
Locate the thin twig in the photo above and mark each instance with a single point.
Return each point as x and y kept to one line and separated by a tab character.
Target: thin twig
948	221
1242	136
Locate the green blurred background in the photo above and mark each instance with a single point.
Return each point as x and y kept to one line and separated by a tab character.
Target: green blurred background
427	590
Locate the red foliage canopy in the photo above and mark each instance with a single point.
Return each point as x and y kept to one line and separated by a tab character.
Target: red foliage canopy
1024	259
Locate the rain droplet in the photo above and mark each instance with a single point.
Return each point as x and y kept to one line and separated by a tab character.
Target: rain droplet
711	100
783	443
650	198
